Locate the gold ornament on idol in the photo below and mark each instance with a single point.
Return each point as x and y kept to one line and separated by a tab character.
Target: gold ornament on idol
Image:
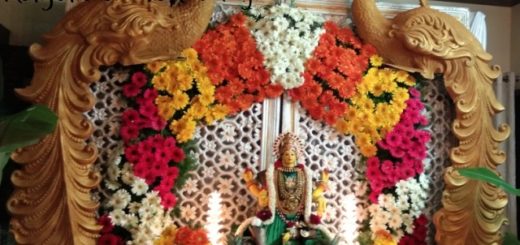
289	179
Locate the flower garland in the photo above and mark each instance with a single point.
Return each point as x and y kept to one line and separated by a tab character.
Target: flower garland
376	107
399	209
286	37
332	74
402	151
235	65
129	206
157	131
337	79
183	235
398	186
186	95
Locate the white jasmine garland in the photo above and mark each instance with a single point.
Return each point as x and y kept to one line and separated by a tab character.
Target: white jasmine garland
286	37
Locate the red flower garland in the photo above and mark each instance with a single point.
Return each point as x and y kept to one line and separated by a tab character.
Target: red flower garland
332	73
235	65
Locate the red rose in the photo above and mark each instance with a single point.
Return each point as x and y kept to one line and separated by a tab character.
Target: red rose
110	239
290	224
315	219
264	214
106	223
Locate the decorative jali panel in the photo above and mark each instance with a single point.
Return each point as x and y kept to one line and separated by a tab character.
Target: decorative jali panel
106	115
226	149
230	146
327	149
441	116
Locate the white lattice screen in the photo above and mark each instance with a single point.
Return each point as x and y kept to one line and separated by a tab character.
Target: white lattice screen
227	148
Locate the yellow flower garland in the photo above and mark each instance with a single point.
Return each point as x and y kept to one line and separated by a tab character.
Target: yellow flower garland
173	79
377	106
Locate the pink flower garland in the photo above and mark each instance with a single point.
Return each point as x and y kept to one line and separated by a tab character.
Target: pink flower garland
150	156
406	147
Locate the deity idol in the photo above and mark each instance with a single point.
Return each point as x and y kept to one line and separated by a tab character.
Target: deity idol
285	195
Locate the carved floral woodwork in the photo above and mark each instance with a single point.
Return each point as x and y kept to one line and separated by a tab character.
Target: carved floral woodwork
52	202
427	41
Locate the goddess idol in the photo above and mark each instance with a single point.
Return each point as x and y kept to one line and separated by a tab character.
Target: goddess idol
285	196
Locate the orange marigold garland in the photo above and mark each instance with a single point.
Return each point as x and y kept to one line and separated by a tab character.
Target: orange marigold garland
235	65
332	73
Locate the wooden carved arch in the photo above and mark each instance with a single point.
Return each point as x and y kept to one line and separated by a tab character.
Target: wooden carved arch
52	204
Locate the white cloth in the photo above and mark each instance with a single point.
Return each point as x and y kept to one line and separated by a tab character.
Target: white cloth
505	92
479	29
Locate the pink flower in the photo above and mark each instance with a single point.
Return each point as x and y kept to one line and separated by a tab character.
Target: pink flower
397	152
387	166
373	162
149	96
130	116
172	173
162	155
139	79
177	154
130	90
393	139
158	168
414	104
406	142
148	109
167	183
373	173
169	142
156	122
149	177
418	167
141	170
145	147
147	158
132	153
129	132
168	200
156	140
414	93
423	136
373	196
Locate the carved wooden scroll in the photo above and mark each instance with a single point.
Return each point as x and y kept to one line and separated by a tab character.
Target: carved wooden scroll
51	203
429	42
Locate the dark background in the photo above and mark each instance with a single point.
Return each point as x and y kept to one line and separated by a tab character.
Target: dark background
16	70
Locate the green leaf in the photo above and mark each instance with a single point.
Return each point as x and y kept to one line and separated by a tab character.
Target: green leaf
4	158
486	175
510	239
26	128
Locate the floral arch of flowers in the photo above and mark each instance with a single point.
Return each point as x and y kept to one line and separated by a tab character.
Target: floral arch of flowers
261	54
